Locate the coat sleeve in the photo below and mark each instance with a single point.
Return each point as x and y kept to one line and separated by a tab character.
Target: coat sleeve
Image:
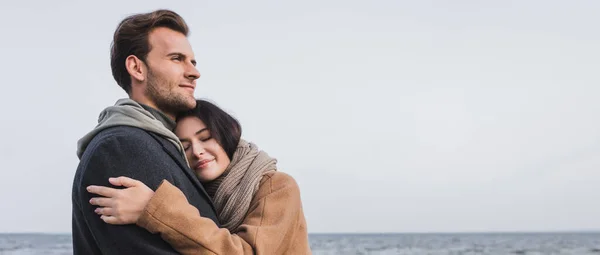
267	229
136	155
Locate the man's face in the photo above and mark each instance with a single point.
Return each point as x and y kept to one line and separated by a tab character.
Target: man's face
171	72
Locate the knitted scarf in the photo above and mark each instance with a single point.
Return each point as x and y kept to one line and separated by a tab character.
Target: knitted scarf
233	191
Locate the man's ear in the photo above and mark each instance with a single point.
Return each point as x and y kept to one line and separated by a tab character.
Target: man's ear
136	68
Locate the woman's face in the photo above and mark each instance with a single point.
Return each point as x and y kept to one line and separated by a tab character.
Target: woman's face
206	157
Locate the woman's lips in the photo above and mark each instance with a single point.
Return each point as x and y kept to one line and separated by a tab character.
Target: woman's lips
203	163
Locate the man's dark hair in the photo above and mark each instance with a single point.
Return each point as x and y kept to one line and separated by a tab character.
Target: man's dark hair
131	38
224	128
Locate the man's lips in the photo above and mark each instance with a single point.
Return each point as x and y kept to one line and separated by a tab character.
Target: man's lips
190	87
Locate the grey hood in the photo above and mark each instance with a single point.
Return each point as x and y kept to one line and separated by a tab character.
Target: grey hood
127	112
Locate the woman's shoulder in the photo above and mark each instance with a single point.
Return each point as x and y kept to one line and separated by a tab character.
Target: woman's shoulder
276	180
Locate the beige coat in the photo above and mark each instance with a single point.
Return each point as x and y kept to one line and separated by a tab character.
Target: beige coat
274	224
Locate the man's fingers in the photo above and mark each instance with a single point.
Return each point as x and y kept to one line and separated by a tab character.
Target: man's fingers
123	181
101	201
102	191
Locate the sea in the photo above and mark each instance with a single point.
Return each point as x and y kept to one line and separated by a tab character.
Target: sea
431	244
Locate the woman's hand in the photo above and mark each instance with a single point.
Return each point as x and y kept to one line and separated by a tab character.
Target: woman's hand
121	206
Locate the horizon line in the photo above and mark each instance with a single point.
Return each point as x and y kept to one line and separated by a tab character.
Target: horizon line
388	232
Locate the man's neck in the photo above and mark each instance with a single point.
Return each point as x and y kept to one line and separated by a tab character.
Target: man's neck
163	118
149	103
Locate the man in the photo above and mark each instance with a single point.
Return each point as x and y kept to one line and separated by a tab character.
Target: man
153	62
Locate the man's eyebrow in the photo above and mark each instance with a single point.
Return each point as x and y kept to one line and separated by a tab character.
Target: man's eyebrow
176	54
179	54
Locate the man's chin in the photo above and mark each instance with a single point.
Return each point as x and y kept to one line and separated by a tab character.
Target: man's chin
178	106
187	104
192	103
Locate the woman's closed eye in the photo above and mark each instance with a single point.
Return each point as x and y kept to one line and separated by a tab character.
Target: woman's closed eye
204	135
204	139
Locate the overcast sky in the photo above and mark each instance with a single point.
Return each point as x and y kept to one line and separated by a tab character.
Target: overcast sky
393	116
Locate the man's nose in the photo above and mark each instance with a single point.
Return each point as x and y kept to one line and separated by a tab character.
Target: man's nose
191	72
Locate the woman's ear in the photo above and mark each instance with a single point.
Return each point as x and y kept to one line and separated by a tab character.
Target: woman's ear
136	68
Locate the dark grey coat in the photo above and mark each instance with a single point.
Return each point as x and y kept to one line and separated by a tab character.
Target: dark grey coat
138	154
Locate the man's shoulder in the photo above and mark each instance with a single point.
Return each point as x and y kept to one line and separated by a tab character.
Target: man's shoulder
126	151
125	134
123	131
128	137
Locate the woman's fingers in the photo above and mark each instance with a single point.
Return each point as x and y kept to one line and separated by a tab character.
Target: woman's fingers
106	211
107	214
102	191
123	181
101	201
121	206
110	219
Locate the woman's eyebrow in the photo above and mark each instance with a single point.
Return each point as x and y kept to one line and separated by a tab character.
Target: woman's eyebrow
201	130
197	133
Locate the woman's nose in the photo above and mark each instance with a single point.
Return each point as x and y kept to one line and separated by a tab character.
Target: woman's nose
197	150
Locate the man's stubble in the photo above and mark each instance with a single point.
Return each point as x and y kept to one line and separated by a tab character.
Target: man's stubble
165	95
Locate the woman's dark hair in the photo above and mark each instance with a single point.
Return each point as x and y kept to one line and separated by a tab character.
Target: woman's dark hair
224	128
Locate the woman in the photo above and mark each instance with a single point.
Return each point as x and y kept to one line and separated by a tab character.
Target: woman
259	208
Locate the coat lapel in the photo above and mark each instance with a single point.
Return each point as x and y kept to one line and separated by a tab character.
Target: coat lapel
172	151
